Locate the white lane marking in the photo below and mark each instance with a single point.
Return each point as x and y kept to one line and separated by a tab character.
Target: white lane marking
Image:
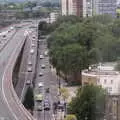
22	108
3	91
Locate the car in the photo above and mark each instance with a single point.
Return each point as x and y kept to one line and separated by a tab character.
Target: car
4	36
46	53
46	99
46	106
43	66
33	45
40	40
40	74
39	107
40	84
29	63
29	69
28	82
47	90
61	105
42	37
32	27
11	28
31	51
34	37
41	56
39	97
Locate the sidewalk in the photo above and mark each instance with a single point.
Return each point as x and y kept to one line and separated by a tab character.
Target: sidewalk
72	91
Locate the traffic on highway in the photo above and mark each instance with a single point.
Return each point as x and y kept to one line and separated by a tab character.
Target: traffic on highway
35	71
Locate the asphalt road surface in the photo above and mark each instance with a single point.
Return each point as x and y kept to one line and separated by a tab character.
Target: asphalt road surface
29	76
49	80
24	75
7	38
5	55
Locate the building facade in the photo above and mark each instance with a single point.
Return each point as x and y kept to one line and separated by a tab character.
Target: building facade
73	7
53	16
100	7
106	77
107	7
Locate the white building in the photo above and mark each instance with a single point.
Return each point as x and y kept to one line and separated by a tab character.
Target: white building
53	16
104	76
67	7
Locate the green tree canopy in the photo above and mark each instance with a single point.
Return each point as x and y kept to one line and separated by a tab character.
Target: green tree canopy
88	103
29	99
70	117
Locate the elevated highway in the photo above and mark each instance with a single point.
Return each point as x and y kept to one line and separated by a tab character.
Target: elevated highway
10	106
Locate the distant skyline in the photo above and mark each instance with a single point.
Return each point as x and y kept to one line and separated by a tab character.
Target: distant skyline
2	1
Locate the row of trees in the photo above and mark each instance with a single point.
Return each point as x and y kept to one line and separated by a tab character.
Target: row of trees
77	43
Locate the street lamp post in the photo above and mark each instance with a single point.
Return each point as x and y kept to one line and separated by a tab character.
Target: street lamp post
59	83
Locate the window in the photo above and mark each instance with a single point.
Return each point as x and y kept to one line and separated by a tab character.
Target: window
105	81
111	81
98	80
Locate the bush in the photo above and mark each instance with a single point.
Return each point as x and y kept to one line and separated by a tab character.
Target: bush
70	117
29	99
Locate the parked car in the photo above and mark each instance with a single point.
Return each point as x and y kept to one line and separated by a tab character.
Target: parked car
39	97
40	84
29	69
46	53
43	66
46	106
40	107
41	56
42	37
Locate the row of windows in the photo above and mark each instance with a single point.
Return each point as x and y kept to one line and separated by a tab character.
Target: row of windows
105	81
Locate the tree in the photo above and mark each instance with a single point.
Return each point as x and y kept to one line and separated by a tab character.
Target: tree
30	5
29	99
70	117
117	67
116	28
102	19
88	103
98	40
70	59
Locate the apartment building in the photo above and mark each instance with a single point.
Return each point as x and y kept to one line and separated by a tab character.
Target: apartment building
107	7
100	7
73	7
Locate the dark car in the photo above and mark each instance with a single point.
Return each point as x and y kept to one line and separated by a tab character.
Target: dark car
46	106
42	37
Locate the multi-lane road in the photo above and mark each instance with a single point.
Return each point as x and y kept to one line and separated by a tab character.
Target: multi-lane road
10	107
49	80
